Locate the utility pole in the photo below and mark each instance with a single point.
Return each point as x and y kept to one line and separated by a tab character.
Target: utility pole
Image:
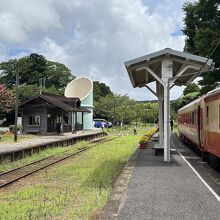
114	114
40	84
16	102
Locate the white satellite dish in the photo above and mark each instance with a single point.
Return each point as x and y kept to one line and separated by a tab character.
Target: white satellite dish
82	88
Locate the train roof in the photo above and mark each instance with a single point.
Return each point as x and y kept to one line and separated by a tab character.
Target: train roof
213	92
209	94
194	102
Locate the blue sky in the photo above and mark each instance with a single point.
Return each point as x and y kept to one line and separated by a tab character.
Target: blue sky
92	37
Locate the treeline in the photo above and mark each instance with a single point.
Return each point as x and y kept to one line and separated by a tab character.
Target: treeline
112	107
55	77
33	68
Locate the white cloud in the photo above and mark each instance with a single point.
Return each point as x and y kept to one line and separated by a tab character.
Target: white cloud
93	38
52	51
22	21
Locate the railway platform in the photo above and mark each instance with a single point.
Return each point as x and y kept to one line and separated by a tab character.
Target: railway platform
12	151
159	190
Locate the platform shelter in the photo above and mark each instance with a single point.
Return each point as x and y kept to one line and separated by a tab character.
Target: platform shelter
166	68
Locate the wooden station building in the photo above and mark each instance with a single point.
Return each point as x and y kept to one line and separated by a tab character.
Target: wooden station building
48	113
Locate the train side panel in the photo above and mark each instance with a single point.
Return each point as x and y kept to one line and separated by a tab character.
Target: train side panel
188	123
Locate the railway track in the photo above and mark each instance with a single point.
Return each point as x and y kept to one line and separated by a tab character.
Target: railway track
16	174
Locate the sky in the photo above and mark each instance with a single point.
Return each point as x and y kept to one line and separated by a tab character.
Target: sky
93	38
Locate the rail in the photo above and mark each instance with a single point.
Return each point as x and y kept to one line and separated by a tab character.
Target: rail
28	151
26	170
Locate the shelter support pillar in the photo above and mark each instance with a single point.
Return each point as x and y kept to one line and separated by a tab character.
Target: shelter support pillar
159	88
167	72
160	102
73	121
62	125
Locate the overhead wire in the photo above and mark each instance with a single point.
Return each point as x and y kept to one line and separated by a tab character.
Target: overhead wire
208	58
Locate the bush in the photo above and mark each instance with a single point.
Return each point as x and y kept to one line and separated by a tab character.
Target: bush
20	128
2	132
146	137
12	128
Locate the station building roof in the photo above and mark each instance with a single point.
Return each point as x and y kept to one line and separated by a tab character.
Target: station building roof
62	102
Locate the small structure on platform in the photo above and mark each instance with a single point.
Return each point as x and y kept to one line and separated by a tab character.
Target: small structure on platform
166	68
48	113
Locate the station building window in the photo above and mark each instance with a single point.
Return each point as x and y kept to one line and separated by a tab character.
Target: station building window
196	118
34	120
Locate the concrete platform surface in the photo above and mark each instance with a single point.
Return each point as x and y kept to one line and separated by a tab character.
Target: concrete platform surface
10	147
161	191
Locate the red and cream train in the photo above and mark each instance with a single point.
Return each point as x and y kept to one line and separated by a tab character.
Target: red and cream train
199	125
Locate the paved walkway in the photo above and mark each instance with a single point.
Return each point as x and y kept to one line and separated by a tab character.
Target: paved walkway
10	147
159	190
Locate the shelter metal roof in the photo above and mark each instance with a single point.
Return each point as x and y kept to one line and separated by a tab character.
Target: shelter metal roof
154	61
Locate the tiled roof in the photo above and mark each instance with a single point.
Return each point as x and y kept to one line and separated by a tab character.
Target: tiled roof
67	104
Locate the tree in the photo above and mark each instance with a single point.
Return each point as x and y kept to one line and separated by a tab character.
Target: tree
122	109
26	92
57	75
149	112
179	103
202	30
192	87
34	67
7	101
115	108
31	69
100	90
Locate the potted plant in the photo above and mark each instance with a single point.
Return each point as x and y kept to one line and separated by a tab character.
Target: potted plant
145	138
143	142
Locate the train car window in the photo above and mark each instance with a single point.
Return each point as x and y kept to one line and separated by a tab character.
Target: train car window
193	117
207	115
196	118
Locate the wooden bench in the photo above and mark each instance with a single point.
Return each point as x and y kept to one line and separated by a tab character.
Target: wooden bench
158	150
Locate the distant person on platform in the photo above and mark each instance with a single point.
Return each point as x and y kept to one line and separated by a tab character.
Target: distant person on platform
103	125
58	128
171	124
61	129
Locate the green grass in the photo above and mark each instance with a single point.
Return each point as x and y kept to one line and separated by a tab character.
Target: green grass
127	130
74	190
9	138
37	156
